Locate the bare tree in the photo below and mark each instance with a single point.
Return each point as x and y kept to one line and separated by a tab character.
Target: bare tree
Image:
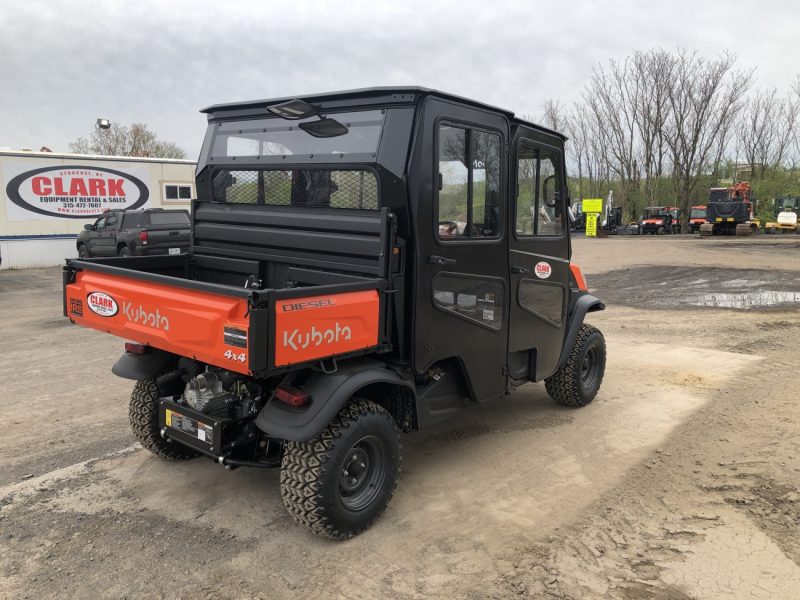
651	73
119	140
704	98
766	130
610	97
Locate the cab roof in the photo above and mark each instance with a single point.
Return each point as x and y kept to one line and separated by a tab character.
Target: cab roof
365	97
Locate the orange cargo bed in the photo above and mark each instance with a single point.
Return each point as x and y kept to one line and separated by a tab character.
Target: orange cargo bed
283	328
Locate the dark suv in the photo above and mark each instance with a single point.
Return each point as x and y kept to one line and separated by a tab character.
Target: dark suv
136	233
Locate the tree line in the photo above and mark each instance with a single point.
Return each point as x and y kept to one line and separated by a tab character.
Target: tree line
660	127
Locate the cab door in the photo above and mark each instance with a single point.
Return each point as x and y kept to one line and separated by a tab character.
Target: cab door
105	244
461	311
539	251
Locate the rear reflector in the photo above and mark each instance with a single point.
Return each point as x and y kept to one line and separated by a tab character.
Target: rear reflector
136	348
292	396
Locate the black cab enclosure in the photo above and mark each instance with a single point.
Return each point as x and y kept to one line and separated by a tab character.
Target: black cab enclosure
360	263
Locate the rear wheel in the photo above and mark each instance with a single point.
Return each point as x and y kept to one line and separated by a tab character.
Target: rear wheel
337	484
578	380
124	251
660	231
143	416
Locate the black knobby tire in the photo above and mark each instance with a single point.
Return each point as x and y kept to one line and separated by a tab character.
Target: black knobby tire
320	492
83	252
578	380
143	416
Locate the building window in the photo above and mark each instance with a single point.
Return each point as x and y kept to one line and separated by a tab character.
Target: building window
177	192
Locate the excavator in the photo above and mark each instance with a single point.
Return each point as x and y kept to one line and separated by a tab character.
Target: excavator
730	211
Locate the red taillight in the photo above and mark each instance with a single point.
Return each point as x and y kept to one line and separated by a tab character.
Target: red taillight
136	348
579	278
292	396
143	237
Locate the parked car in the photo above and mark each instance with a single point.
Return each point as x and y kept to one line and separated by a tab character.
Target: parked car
136	233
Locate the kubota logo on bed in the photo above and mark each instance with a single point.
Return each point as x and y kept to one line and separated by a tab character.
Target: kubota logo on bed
139	314
297	339
102	304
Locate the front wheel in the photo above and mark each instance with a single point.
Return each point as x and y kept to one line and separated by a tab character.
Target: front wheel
338	483
578	380
83	252
143	416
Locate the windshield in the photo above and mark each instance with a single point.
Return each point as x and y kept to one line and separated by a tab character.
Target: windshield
282	137
698	213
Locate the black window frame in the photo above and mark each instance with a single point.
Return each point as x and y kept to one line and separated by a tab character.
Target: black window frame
502	204
538	146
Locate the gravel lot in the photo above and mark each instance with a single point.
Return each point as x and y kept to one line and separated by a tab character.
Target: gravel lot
681	480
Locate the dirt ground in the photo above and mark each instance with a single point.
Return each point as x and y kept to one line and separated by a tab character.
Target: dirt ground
680	480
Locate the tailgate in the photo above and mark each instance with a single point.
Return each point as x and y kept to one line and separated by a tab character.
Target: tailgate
212	328
163	238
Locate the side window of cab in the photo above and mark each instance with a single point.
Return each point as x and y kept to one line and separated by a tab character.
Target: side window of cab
469	190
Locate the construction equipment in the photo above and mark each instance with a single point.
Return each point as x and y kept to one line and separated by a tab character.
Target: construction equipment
786	209
696	218
730	211
660	220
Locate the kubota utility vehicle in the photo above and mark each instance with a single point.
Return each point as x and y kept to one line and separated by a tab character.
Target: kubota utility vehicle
361	263
660	220
696	218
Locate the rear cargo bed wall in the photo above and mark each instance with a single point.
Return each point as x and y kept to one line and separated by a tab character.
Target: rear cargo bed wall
232	241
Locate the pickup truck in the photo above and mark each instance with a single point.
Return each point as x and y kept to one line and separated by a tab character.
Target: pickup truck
135	233
331	297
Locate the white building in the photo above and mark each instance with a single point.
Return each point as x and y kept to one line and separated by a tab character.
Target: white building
48	198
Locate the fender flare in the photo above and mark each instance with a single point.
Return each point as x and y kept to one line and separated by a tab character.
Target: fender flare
329	392
585	303
141	366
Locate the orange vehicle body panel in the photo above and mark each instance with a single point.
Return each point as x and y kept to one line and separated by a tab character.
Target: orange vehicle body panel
182	321
321	326
698	220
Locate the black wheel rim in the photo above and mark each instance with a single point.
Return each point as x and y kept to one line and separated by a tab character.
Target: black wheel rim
363	473
590	368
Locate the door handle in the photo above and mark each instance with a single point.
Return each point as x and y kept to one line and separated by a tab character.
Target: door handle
441	260
520	270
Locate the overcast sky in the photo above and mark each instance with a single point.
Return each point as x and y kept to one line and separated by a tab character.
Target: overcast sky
65	63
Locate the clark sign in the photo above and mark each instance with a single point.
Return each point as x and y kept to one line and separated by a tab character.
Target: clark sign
71	191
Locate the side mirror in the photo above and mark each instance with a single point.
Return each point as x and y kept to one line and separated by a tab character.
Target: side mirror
89	227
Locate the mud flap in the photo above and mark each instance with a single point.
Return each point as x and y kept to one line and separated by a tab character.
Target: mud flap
141	366
329	392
